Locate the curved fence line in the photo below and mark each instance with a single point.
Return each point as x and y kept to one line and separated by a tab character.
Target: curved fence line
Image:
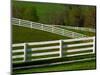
48	28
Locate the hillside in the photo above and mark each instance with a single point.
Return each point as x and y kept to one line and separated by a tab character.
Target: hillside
23	34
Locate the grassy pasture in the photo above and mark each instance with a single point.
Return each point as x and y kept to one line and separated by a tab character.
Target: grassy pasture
23	34
86	65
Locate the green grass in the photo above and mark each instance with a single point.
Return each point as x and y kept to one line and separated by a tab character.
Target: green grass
63	67
23	34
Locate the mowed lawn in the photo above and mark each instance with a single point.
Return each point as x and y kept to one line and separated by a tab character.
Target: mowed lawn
85	65
23	34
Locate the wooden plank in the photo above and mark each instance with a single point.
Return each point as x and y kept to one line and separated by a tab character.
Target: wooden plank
18	50
43	43
80	44
17	56
79	54
45	58
44	54
19	44
79	39
94	43
80	49
60	48
17	61
44	48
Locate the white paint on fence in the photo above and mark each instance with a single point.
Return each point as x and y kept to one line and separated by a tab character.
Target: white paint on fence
18	61
45	53
80	44
43	42
56	52
25	52
19	44
45	48
79	49
94	43
60	48
19	22
18	50
77	28
31	24
78	39
79	54
18	56
58	45
48	28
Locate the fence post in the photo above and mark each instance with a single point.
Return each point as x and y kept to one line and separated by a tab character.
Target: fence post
52	28
25	52
63	31
42	26
93	44
31	24
73	34
19	21
60	48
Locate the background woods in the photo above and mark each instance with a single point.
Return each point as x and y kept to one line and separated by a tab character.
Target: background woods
55	14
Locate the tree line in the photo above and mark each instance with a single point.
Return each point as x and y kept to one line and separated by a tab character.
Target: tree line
73	15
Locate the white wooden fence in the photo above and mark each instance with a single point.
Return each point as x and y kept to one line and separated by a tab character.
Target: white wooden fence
34	51
78	28
48	28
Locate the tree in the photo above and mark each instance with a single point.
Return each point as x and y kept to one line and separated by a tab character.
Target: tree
25	12
30	14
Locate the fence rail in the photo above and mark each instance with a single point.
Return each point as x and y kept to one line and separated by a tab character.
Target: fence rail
48	28
33	51
78	28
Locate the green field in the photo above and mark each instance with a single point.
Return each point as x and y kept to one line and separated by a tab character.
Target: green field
23	34
86	65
